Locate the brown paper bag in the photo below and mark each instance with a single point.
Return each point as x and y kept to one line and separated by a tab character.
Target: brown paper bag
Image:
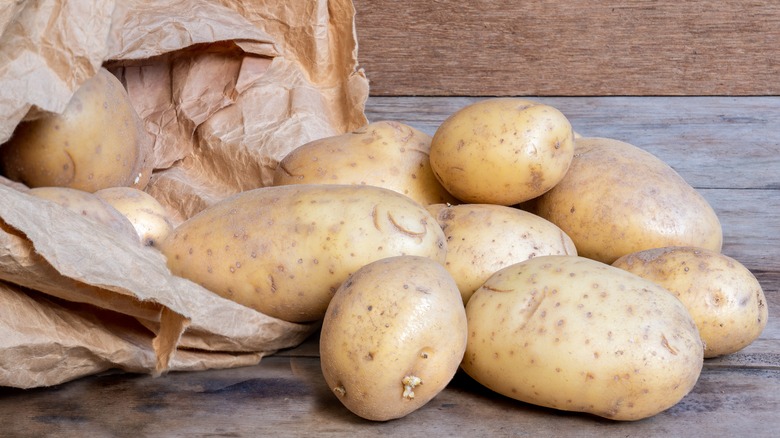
225	89
47	248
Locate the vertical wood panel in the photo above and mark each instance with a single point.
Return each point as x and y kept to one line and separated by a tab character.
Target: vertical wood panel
570	48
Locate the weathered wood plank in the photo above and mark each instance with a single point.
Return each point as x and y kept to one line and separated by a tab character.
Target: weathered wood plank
750	225
555	48
288	396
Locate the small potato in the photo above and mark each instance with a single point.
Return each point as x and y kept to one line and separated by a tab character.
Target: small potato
89	206
97	142
617	199
574	334
393	337
150	219
502	151
384	154
285	250
725	299
484	238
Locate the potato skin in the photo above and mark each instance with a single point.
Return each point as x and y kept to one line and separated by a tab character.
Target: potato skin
617	199
285	250
385	154
393	337
150	219
97	142
502	151
484	238
89	206
725	300
574	334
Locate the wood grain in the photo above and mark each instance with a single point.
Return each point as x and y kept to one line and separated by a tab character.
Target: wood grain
580	48
286	396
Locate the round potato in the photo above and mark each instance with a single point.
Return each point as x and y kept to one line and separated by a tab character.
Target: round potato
384	154
284	250
484	238
88	206
574	334
97	142
393	337
150	219
725	299
617	199
502	151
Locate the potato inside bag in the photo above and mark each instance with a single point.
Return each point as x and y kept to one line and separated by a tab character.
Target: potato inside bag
224	91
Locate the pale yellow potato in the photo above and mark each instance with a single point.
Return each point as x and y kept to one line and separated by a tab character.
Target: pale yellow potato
502	151
97	142
484	238
393	337
89	206
284	250
617	199
385	154
151	220
725	299
574	334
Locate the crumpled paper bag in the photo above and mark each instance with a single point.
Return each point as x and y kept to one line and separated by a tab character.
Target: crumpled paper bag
49	249
88	340
225	89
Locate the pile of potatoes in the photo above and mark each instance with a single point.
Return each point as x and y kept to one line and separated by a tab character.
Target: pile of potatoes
590	271
580	274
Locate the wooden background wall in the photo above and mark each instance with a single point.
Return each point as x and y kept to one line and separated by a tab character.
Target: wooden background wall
570	48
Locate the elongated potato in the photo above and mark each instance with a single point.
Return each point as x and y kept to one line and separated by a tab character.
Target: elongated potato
384	154
617	199
97	142
285	250
574	334
723	296
502	150
393	337
484	238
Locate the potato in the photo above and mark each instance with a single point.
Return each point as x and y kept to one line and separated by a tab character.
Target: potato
574	334
97	142
502	151
151	220
384	154
285	250
393	337
484	238
89	206
725	299
617	199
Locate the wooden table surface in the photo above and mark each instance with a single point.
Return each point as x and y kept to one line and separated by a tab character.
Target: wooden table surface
727	147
